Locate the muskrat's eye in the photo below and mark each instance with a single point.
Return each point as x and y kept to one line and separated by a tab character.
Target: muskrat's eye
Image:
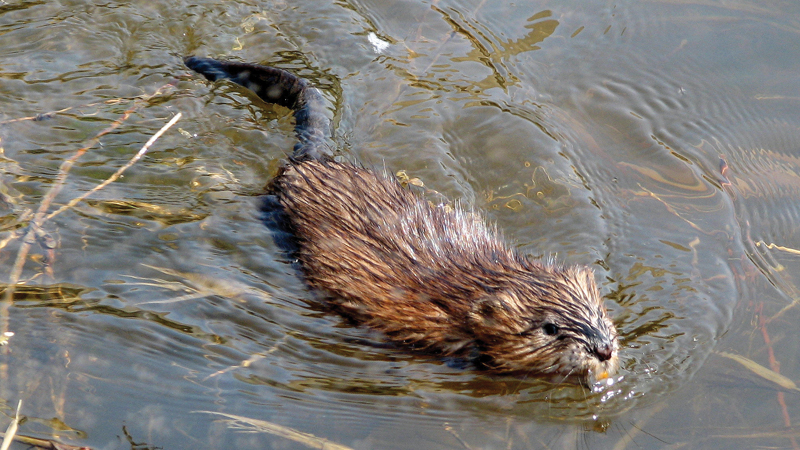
550	329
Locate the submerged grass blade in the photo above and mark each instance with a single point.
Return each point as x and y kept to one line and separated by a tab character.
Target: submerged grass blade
762	371
255	425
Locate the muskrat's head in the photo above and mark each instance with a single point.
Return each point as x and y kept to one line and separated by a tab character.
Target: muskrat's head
547	322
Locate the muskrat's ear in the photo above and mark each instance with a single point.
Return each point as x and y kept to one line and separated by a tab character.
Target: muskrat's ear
488	306
492	314
485	314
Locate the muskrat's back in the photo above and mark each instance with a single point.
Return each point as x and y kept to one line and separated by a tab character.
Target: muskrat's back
389	259
429	277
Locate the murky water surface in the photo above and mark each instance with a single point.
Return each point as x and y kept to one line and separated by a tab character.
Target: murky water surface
656	141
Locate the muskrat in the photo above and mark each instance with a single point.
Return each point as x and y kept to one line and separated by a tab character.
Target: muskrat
430	278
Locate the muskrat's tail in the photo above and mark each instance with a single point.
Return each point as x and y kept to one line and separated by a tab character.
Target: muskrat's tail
278	86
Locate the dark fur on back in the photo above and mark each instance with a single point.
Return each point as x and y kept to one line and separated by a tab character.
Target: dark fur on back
429	277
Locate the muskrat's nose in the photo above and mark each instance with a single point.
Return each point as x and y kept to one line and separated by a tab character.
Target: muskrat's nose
604	350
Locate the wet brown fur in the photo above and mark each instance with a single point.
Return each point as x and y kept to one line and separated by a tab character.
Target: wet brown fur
438	279
430	278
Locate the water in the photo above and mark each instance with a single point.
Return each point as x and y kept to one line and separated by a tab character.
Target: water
654	141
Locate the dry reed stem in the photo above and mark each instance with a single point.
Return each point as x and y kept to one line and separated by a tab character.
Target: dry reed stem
40	217
49	114
11	431
119	172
